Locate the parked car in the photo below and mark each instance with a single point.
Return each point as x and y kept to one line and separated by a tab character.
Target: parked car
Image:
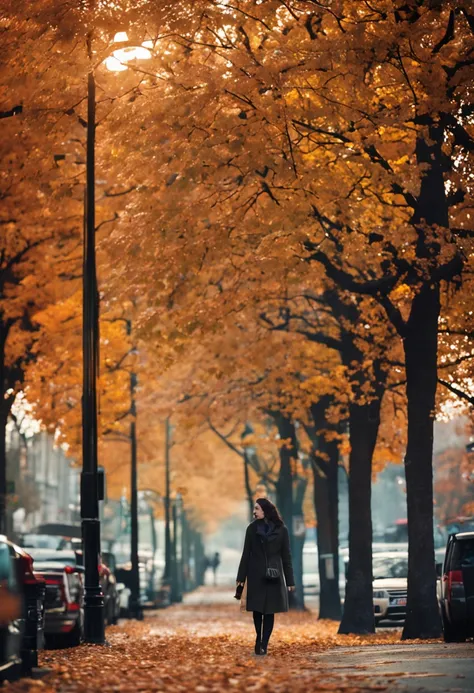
59	529
124	579
457	588
33	589
64	577
11	611
21	611
40	541
32	540
310	568
158	591
311	579
390	585
108	581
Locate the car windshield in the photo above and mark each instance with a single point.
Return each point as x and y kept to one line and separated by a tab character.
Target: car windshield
40	541
42	556
463	554
384	567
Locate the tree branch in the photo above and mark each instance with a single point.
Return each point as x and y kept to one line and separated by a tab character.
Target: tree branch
456	391
224	439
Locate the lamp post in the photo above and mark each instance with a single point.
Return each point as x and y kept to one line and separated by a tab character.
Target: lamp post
135	606
176	587
94	626
168	556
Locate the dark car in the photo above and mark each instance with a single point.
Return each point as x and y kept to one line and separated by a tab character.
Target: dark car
21	611
11	611
124	579
457	588
64	613
108	582
159	592
33	589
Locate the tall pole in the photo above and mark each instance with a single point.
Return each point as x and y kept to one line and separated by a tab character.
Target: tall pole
168	557
94	626
135	606
176	594
3	445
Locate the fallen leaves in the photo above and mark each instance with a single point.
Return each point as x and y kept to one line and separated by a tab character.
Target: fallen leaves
207	649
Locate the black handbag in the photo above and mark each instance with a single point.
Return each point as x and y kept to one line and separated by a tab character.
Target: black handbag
271	574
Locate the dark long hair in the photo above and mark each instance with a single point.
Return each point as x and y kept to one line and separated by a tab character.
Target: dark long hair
270	511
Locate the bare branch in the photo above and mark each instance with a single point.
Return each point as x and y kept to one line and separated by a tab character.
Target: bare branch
456	391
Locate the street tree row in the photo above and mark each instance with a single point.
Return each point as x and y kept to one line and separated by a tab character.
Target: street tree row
285	194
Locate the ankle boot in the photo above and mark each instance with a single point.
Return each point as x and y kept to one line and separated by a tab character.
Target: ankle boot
258	645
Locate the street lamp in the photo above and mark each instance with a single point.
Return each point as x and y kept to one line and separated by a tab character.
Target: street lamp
135	606
176	587
167	499
94	627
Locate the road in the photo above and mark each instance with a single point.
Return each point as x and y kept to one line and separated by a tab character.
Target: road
205	645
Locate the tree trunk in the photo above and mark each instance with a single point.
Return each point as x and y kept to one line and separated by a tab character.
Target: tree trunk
248	488
284	485
420	345
298	544
325	459
284	492
364	421
326	507
5	406
3	469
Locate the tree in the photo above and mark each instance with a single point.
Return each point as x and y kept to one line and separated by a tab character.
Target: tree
286	138
325	434
328	318
32	248
381	184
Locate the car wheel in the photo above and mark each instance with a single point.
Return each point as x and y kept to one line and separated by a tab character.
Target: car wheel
50	642
29	659
450	632
112	617
109	619
74	638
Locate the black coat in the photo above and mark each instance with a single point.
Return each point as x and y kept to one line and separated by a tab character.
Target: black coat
262	595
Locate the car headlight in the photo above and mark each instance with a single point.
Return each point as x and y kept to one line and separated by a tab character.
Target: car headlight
380	594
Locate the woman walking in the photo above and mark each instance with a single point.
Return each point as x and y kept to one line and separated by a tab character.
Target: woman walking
266	566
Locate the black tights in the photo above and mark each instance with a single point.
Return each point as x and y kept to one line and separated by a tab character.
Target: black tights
268	621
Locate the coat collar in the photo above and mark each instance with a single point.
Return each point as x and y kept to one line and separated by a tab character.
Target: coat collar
270	534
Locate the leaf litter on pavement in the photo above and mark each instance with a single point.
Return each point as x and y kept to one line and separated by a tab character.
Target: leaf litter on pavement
205	648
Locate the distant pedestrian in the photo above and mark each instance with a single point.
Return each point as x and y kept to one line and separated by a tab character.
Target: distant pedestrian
215	563
206	564
267	568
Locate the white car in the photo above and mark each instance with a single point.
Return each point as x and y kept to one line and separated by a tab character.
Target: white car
390	585
311	582
310	568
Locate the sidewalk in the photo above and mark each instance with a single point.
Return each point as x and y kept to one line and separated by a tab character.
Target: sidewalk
205	645
404	668
208	595
224	592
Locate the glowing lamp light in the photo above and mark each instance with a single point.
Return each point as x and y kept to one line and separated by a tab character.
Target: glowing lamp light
142	53
114	65
120	37
117	62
